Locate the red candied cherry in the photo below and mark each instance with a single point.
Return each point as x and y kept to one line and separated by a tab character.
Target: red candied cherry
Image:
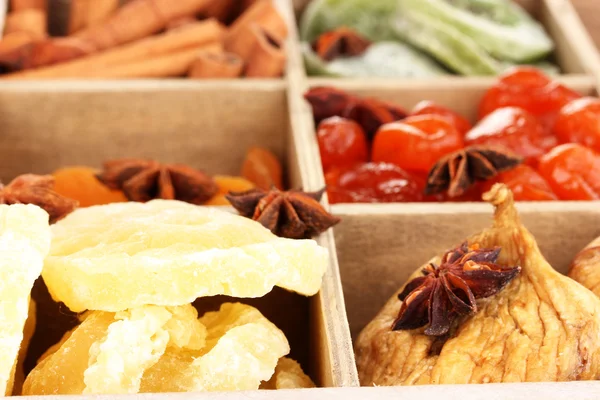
341	142
530	89
514	129
573	172
373	183
525	182
427	107
416	143
579	122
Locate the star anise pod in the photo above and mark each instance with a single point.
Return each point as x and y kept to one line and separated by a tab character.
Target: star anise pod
38	190
341	42
450	290
371	114
328	102
458	171
144	180
292	214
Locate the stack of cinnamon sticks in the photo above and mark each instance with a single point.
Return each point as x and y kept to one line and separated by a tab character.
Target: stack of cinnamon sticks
146	39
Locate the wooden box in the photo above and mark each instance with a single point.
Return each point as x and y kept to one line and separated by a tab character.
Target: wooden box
210	124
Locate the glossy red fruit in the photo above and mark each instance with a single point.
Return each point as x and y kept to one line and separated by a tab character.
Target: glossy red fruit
573	172
427	107
514	129
525	182
416	143
373	183
530	89
579	122
341	142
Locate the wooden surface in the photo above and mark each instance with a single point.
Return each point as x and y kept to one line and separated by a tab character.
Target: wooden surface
589	12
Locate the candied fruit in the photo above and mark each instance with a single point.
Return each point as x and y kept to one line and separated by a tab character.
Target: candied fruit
225	185
525	183
427	107
165	252
24	242
341	142
288	375
262	168
579	122
80	183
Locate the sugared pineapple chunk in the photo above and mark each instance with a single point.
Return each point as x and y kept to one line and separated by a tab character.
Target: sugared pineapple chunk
109	353
164	252
24	242
288	375
242	349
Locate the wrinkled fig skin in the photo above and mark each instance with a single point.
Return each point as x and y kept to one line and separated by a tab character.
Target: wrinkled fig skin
542	327
585	267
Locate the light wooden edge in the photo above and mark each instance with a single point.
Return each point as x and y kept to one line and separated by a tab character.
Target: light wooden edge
392	209
565	15
443	83
341	354
583	390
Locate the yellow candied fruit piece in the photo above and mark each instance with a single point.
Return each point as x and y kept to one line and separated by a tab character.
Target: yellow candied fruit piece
169	253
24	242
288	375
242	349
109	353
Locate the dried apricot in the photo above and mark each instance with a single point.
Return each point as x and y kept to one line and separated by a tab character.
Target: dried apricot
262	168
228	184
80	183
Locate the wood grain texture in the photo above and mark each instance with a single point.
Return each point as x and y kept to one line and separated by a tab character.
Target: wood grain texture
589	12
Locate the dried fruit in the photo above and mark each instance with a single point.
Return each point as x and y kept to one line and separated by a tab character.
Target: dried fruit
373	183
427	107
24	242
228	184
109	353
144	180
38	190
341	142
458	171
416	143
80	184
293	214
341	42
525	182
262	168
164	252
242	349
529	89
585	267
579	122
542	327
514	129
288	375
450	290
573	172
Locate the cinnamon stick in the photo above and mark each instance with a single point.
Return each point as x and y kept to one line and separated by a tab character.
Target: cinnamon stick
18	5
216	65
190	36
87	13
263	13
32	21
169	65
138	19
267	59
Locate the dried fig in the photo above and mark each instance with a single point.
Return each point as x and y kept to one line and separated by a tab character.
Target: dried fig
542	326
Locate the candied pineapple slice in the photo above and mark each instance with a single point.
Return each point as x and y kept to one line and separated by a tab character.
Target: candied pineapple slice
24	242
108	352
164	252
288	375
242	349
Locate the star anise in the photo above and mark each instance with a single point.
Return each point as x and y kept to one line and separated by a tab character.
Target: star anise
38	190
293	214
458	171
341	42
450	290
144	180
328	102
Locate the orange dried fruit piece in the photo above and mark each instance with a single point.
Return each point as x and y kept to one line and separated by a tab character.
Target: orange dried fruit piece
228	184
242	349
288	375
80	183
262	168
169	253
24	242
109	353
